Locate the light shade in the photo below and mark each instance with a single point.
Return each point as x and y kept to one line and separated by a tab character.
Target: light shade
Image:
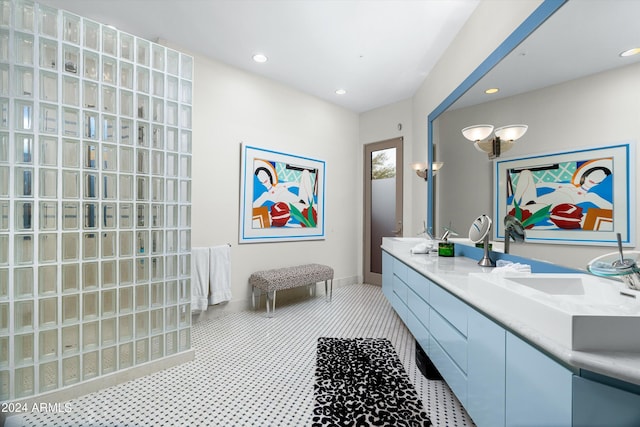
422	169
511	132
477	132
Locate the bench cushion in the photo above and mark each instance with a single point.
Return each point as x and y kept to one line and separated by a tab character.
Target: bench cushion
290	277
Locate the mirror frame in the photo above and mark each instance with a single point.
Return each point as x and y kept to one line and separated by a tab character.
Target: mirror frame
528	26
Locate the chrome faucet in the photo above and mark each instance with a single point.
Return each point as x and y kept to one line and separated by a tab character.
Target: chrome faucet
614	264
513	229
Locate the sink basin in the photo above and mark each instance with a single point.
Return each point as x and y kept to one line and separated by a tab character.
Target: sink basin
579	311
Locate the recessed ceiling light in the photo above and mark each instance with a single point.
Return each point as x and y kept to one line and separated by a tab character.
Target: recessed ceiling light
491	90
631	52
258	57
340	91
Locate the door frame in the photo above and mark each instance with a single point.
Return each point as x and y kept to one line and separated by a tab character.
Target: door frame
397	143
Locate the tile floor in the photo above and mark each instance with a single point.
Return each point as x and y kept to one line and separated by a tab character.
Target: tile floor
250	370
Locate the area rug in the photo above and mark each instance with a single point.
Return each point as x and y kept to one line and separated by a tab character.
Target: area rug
362	382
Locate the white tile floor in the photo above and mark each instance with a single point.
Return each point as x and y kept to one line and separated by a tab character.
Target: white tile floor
251	370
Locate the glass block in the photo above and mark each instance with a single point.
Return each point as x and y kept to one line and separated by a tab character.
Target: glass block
108	331
4	215
125	327
126	103
90	216
157	347
89	305
70	246
70	122
24	382
47	280
172	139
126	75
4	147
48	86
173	61
24	81
70	308
158	84
24	148
109	99
185	141
48	183
142	242
126	215
90	335
90	34
126	159
108	243
48	53
185	191
185	240
157	294
71	55
157	110
70	339
89	246
142	351
157	189
185	216
109	360
24	216
90	275
91	126
126	272
142	270
24	48
91	155
48	216
185	166
71	370
126	129
4	181
185	265
171	241
48	312
142	297
4	113
4	352
48	347
184	290
48	376
109	213
109	41
4	45
157	216
109	71
127	47
24	345
70	278
173	86
172	164
186	66
125	360
171	266
125	296
47	247
90	95
23	249
143	79
171	114
157	137
24	16
142	188
142	218
70	184
157	53
23	282
5	89
109	190
109	302
24	115
142	51
142	324
70	28
185	339
70	91
4	317
48	151
186	92
23	316
157	268
48	118
109	128
109	274
143	134
48	19
171	343
70	216
157	242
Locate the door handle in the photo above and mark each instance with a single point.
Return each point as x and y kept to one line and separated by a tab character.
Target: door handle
399	230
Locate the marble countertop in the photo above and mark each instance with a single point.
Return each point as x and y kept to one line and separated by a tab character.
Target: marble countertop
453	274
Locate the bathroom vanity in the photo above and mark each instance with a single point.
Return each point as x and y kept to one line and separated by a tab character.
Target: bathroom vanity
511	355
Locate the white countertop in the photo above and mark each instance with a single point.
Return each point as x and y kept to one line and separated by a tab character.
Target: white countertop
453	275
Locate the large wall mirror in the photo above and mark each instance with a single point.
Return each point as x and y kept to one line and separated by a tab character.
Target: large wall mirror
566	81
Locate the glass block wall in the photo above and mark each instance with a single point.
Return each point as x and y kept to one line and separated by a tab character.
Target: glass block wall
95	200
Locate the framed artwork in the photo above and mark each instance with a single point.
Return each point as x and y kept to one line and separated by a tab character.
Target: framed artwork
582	197
281	196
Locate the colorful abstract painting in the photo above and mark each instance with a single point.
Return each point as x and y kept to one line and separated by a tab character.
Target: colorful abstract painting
282	196
580	197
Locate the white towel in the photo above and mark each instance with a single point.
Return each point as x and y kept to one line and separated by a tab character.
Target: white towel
220	274
503	266
199	279
423	248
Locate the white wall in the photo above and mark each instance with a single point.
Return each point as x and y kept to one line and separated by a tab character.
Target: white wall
593	111
231	106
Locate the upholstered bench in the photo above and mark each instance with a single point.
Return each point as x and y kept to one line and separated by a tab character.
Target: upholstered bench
270	281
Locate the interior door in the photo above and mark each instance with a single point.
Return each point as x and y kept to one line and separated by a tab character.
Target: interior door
382	202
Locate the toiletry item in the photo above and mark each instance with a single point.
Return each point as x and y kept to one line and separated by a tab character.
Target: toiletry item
446	249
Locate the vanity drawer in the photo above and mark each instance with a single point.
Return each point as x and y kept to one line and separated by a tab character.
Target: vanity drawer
419	284
450	307
400	288
450	339
455	378
400	269
419	308
419	332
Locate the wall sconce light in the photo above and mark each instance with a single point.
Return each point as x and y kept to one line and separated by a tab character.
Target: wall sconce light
504	139
422	169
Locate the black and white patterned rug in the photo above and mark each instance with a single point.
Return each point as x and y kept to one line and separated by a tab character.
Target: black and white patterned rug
362	382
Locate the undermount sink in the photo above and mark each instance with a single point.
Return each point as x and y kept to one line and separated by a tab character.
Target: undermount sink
579	311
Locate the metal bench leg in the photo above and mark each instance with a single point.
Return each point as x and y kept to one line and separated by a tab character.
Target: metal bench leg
328	290
312	289
271	299
253	297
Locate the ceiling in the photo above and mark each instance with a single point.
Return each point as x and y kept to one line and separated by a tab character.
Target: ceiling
379	51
